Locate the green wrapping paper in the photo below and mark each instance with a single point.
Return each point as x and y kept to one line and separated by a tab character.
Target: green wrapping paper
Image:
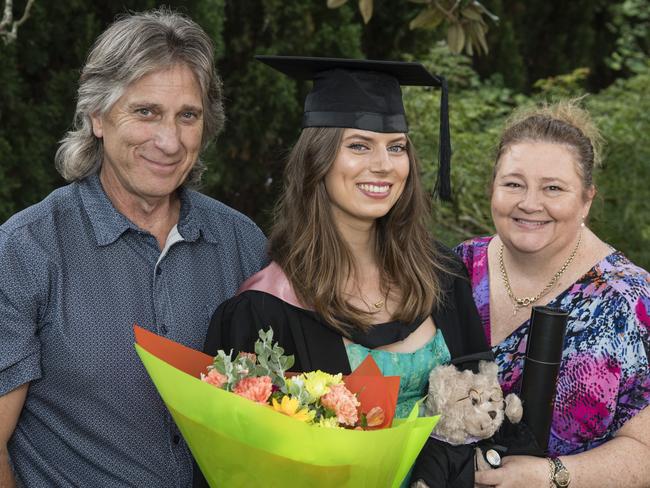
237	442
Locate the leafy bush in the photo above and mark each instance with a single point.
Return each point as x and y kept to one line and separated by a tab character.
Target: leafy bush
621	213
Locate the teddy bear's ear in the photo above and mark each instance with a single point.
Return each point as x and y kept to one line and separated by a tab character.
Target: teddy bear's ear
441	383
489	368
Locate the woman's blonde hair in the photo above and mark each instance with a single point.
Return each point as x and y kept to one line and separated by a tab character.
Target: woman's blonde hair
563	122
305	241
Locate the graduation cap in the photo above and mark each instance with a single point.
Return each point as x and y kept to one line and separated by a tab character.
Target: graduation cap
365	94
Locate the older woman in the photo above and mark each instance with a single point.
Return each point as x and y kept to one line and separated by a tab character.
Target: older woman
544	254
355	270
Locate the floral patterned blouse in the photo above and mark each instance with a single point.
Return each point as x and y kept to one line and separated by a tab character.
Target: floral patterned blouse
604	378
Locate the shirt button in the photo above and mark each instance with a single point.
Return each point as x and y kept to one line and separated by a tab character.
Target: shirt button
176	439
158	271
163	329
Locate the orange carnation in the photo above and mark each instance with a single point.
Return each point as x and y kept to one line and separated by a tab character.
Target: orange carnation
257	389
343	403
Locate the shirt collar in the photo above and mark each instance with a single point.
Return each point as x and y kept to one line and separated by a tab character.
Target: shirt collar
108	224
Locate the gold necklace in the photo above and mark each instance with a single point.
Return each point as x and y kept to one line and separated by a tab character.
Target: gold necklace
523	302
378	305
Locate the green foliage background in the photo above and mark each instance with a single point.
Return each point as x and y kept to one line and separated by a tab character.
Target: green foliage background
540	50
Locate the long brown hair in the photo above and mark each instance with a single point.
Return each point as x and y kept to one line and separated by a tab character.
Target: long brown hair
306	244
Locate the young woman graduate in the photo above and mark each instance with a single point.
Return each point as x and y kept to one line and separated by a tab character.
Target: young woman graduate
354	268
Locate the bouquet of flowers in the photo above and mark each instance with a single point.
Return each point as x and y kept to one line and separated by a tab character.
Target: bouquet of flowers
279	438
314	397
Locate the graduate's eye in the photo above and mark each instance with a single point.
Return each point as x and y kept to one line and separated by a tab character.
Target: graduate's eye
357	146
397	148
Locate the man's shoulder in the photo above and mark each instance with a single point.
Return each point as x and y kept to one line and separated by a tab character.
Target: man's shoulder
61	200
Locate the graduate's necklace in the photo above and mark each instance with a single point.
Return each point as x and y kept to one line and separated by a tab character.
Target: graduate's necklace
374	307
523	302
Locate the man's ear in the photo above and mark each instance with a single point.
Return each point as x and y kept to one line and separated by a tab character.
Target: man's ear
98	126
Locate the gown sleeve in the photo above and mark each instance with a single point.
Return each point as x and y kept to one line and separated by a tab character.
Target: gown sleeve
236	323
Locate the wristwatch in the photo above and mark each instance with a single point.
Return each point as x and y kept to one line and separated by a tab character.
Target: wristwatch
560	477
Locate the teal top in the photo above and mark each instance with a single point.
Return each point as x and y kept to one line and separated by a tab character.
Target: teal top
412	367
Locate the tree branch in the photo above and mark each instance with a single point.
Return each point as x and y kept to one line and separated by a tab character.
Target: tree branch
446	13
10	35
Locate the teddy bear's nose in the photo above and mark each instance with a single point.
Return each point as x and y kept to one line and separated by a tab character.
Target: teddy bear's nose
492	414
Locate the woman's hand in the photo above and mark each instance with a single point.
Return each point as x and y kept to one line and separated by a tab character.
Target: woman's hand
515	472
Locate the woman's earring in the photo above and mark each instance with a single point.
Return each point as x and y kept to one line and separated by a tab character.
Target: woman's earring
582	224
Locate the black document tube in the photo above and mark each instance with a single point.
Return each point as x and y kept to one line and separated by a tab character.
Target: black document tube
541	368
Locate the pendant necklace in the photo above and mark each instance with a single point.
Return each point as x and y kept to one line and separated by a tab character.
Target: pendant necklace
524	302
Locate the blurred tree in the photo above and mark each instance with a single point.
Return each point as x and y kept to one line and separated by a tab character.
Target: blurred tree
621	213
539	39
630	21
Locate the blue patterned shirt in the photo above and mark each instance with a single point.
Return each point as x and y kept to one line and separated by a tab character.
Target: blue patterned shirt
76	275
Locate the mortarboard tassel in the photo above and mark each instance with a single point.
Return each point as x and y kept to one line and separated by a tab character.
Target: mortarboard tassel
443	184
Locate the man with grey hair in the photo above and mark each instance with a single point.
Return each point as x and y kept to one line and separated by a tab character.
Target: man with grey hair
127	241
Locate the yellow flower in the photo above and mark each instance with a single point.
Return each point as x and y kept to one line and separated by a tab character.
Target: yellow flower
330	423
291	407
317	383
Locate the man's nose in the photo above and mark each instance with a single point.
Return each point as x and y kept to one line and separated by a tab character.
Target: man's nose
168	138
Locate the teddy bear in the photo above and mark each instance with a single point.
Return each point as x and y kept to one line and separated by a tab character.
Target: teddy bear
472	408
471	405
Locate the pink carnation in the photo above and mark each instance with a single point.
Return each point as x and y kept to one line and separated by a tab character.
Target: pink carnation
214	378
343	403
250	355
256	389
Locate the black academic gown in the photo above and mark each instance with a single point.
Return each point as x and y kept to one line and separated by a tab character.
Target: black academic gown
315	345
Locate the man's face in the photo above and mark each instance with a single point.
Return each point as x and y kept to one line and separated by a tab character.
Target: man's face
152	136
